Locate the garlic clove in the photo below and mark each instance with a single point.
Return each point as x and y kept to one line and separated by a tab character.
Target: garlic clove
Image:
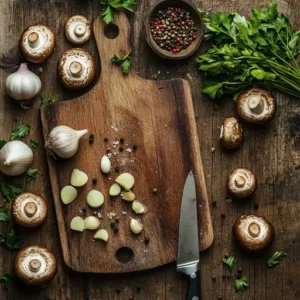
125	180
138	207
64	140
78	178
68	194
91	223
101	234
128	196
105	164
77	224
15	158
95	199
136	226
114	190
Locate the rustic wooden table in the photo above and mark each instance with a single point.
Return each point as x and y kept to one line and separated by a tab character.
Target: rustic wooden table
272	152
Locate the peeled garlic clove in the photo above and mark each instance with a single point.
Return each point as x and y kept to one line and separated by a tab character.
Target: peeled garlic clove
95	199
101	234
68	194
125	180
138	207
77	224
114	190
78	178
64	140
136	226
105	164
128	196
91	223
15	158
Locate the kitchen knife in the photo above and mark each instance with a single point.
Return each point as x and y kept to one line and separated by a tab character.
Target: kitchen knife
188	243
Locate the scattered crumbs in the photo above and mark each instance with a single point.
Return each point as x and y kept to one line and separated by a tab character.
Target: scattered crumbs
116	143
115	153
80	211
109	155
166	125
145	251
212	150
158	72
154	77
129	150
40	69
109	178
124	212
111	215
132	161
99	215
168	72
228	200
94	212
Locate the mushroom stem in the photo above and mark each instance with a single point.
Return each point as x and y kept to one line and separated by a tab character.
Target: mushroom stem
240	181
33	38
34	265
80	30
254	229
256	104
30	209
75	68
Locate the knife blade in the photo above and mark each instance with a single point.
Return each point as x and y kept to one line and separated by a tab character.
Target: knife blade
188	242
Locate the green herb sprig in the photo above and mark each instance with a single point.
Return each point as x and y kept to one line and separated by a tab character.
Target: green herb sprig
276	259
2	143
47	100
22	131
10	190
31	174
230	261
124	62
11	240
6	280
4	216
241	284
34	143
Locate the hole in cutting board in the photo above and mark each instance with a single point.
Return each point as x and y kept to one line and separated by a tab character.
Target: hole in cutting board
111	31
124	255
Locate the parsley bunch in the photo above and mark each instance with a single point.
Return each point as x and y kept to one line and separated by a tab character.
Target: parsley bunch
124	62
261	51
108	8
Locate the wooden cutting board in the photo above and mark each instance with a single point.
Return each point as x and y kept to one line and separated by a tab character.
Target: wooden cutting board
158	118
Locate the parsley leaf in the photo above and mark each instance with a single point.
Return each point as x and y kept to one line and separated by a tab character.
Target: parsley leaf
47	100
21	131
276	258
2	143
229	261
241	284
10	190
4	217
124	62
11	240
31	174
108	8
34	143
6	279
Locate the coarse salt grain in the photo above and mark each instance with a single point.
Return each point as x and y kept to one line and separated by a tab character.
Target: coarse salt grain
128	150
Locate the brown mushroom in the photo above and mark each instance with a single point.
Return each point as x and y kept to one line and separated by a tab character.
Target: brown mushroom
241	183
29	210
78	29
76	68
256	106
232	134
37	43
253	233
35	266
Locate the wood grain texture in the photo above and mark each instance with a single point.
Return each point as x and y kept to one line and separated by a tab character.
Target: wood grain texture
159	118
273	152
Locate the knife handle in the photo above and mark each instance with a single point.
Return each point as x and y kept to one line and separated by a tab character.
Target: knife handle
194	290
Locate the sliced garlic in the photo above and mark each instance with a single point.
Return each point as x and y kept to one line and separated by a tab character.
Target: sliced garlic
138	207
101	234
128	196
125	180
95	199
114	190
78	178
77	224
91	223
105	164
68	194
136	226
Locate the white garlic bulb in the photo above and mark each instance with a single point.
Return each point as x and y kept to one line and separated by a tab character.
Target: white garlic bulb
23	84
15	158
64	141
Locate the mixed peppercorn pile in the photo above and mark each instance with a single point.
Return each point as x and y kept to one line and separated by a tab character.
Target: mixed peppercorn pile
173	29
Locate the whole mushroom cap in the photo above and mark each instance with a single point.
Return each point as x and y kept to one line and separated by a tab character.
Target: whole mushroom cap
35	266
78	29
231	135
241	183
253	233
256	106
76	68
29	210
37	43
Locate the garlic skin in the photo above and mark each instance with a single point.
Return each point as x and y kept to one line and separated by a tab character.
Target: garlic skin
64	140
15	158
23	84
105	164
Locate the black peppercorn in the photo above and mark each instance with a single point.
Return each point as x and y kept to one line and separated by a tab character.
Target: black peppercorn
116	229
122	140
117	219
214	203
117	169
134	147
146	240
112	225
255	205
105	139
94	180
118	291
240	269
91	138
121	149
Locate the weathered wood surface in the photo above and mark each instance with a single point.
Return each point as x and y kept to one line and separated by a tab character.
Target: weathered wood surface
272	152
157	117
